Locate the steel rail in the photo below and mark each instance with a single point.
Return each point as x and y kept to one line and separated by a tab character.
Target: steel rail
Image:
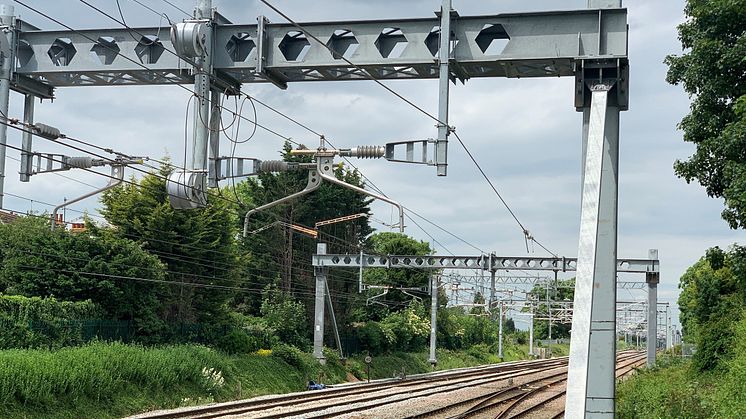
337	392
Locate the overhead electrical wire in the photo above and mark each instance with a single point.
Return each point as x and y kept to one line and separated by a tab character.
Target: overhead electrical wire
300	124
527	235
234	113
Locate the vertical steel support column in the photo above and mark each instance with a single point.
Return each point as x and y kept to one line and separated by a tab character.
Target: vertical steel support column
433	318
334	319
669	330
500	334
202	70
491	267
318	327
6	72
444	55
593	342
531	336
27	138
652	280
214	149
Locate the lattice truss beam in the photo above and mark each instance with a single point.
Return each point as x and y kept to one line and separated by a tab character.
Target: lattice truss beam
542	44
484	262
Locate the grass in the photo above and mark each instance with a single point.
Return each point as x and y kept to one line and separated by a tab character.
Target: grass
107	380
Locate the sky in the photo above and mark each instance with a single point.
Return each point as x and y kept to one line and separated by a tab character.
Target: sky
525	134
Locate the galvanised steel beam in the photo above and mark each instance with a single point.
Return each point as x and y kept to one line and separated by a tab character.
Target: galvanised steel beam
541	44
525	263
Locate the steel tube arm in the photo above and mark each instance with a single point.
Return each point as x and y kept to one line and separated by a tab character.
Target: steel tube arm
336	181
313	184
117	171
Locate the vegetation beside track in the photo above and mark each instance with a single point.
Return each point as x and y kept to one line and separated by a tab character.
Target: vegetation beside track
676	388
112	379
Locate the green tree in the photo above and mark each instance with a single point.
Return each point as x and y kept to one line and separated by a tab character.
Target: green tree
276	251
713	73
116	274
711	303
198	246
387	243
560	292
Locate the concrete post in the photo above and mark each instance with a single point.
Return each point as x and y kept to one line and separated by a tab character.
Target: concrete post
433	318
318	327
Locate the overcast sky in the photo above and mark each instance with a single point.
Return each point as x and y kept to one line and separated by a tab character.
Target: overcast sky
525	134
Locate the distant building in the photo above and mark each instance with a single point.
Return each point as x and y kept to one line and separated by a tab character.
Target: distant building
8	217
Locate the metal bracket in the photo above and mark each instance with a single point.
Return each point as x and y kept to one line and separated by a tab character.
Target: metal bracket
324	171
410	146
262	47
235	167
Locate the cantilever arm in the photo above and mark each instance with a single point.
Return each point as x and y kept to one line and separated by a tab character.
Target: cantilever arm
312	185
117	176
336	181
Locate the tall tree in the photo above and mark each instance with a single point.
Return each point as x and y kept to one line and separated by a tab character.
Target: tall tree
713	73
279	252
198	246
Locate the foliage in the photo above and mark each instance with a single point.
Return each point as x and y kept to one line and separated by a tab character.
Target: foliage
409	328
711	298
668	390
71	267
276	252
562	291
238	342
24	309
286	317
713	73
288	353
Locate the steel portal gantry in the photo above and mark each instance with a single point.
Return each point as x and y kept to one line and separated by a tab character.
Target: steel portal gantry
589	44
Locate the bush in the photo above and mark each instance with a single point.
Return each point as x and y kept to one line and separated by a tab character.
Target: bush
290	354
238	342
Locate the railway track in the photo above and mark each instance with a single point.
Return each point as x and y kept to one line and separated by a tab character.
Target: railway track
515	383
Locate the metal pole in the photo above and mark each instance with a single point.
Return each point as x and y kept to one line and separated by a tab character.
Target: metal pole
652	280
202	70
549	311
7	62
500	334
492	284
26	138
318	329
116	172
433	318
334	319
212	172
444	55
360	277
593	342
531	335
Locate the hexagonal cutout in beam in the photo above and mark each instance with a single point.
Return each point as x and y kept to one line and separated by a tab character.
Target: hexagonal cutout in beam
149	49
105	50
25	53
62	52
391	43
492	39
294	46
343	43
432	41
239	47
